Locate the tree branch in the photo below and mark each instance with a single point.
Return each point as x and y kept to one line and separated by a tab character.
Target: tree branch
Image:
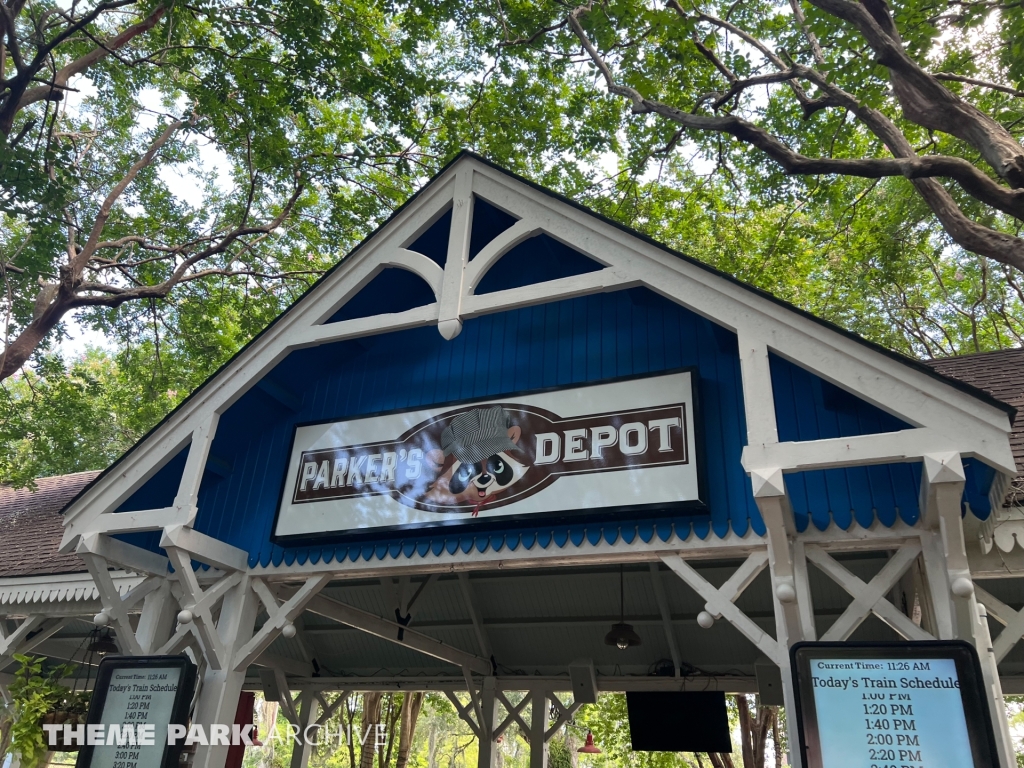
920	170
20	96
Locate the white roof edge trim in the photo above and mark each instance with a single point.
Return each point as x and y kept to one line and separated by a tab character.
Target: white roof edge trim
886	382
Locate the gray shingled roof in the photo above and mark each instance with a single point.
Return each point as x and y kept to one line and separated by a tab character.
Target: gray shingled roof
31	526
1001	374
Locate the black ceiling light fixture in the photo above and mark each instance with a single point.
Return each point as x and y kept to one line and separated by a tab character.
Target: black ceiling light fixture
102	645
622	635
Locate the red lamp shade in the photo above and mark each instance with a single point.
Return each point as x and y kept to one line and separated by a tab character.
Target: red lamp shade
589	748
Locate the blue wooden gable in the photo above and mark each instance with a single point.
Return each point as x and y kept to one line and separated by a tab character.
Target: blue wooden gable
566	343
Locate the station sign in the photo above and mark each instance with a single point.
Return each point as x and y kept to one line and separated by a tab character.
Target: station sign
601	449
892	705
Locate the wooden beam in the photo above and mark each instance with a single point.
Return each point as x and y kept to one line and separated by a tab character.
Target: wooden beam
205	549
128	556
885	448
388	630
474	614
131	522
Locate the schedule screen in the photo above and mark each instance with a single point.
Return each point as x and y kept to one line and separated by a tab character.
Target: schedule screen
889	707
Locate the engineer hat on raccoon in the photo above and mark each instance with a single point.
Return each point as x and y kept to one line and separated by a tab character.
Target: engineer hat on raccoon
478	434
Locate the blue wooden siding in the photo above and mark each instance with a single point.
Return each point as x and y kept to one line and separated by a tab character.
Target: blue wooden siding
809	408
560	344
594	338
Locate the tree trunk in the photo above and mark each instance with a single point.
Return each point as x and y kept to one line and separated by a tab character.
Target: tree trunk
384	750
410	714
432	746
775	739
746	748
368	728
350	742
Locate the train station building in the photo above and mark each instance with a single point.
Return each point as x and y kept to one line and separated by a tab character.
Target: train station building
507	445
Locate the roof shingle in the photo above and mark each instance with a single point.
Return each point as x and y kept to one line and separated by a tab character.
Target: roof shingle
31	527
1001	374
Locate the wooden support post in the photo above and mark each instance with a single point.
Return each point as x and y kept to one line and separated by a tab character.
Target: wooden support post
538	728
308	712
488	749
791	617
949	579
221	686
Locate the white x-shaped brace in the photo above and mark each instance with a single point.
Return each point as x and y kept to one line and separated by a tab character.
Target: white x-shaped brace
116	606
565	713
1012	621
721	601
514	712
278	615
470	713
202	605
870	598
296	708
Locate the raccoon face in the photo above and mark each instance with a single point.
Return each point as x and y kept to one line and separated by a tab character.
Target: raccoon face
485	478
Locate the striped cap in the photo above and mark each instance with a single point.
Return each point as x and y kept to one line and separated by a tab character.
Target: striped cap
475	435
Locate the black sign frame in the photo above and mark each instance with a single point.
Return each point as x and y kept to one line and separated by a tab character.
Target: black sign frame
980	732
179	712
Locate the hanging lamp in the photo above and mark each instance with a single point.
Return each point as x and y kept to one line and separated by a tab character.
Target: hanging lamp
622	635
590	748
103	646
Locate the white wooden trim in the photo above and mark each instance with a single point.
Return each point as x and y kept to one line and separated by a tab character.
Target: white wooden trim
186	500
418	264
489	255
971	426
449	321
758	399
884	448
541	293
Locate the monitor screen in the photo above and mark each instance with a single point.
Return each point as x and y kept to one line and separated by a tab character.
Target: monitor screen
671	721
902	704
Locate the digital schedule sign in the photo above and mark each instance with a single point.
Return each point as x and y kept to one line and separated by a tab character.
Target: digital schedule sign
892	705
134	702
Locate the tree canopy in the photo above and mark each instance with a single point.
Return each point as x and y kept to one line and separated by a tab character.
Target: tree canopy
173	175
